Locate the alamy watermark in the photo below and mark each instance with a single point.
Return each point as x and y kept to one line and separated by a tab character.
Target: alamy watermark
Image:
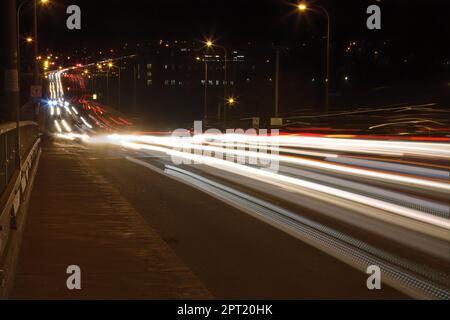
73	282
374	280
254	147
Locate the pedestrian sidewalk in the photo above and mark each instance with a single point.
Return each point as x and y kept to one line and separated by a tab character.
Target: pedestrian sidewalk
76	218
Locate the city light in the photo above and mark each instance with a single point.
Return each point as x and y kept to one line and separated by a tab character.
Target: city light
29	39
302	7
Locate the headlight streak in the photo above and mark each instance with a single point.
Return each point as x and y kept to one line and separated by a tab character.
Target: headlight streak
86	123
400	148
378	175
402	168
58	127
294	184
270	177
68	110
66	126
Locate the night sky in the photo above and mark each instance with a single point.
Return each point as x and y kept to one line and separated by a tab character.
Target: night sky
415	24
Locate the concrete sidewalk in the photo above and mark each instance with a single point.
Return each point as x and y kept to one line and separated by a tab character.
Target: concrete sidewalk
77	218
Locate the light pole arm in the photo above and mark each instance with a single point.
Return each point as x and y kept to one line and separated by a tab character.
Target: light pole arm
19	8
327	83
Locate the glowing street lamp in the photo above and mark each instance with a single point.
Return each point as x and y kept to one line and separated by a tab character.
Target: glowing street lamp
29	39
210	44
302	7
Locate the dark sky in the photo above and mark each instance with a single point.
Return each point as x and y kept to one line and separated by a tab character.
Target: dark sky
415	23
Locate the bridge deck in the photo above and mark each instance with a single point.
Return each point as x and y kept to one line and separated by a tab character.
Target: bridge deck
77	218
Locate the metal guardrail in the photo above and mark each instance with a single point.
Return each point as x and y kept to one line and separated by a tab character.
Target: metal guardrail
15	180
8	152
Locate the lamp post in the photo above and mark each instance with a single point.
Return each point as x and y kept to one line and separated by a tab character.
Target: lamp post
211	44
36	63
35	40
205	105
302	7
205	91
231	101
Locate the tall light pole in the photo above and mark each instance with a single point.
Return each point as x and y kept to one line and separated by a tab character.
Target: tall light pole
302	7
211	44
35	40
205	106
277	82
205	90
112	66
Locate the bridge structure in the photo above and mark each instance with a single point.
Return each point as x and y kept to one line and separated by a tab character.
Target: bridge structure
92	192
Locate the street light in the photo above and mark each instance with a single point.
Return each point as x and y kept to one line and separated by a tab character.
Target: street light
302	7
230	101
205	92
19	8
210	44
36	65
111	66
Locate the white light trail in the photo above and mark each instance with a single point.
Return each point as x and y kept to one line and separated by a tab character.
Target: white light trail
66	126
86	123
58	127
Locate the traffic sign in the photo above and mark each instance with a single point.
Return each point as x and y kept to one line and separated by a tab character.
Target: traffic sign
36	91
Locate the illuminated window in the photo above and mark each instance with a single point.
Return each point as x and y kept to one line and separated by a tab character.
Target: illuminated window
149	82
149	65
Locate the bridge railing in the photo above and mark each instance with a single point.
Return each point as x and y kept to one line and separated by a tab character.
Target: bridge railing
15	181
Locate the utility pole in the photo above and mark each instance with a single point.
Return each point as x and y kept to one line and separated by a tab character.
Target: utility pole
120	69
277	82
37	76
205	107
225	84
328	79
134	88
9	78
107	87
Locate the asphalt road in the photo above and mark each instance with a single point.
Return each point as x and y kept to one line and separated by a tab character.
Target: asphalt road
235	255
